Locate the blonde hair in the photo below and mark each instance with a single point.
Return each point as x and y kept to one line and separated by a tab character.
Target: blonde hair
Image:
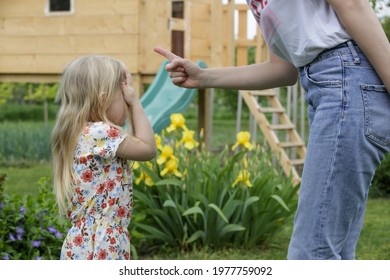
89	85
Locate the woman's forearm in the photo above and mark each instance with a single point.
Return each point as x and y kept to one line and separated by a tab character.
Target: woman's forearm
273	73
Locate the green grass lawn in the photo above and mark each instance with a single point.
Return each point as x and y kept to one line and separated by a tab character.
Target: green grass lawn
23	180
374	242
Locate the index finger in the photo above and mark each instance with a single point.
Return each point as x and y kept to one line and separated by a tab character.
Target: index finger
165	53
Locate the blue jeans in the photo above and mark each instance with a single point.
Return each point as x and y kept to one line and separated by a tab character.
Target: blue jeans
349	114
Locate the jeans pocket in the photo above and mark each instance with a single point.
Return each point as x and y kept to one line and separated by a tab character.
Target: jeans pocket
326	72
376	114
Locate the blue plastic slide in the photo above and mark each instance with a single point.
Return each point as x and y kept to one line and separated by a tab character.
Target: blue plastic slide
163	98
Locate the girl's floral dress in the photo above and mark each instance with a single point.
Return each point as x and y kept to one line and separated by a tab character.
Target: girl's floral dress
100	210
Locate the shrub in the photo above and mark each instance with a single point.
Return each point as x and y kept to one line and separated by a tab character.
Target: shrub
27	112
30	228
188	197
24	142
381	181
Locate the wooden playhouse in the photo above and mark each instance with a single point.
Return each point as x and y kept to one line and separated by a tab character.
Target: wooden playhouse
38	38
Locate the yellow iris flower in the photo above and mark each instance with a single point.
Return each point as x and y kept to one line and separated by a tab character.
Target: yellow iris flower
177	121
135	165
171	167
166	154
146	178
243	138
188	139
243	177
158	141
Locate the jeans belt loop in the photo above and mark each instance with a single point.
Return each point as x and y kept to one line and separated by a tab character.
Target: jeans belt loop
356	58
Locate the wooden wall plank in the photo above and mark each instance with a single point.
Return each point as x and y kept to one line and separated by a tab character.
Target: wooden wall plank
50	64
22	8
104	44
54	26
36	8
107	7
200	47
200	10
200	29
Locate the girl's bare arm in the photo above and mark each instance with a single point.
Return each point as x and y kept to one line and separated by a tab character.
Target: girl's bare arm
141	145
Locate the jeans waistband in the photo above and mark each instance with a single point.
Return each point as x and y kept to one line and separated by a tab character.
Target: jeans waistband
349	47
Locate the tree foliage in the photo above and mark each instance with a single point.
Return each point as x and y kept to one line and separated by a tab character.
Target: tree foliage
6	92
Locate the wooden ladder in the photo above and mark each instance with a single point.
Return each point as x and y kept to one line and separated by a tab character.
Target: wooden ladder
292	151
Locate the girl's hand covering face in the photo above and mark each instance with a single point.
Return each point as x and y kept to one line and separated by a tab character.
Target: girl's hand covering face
128	89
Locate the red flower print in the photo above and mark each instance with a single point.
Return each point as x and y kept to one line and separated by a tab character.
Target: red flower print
81	199
111	185
83	219
102	254
112	249
78	240
78	223
113	132
104	205
101	188
78	190
69	254
112	240
107	168
89	157
93	237
90	256
110	231
119	170
87	176
121	212
127	256
83	160
120	230
111	201
103	152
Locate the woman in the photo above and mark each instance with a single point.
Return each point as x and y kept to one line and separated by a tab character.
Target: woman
342	55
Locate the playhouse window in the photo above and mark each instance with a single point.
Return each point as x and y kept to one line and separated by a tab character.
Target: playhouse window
178	9
59	6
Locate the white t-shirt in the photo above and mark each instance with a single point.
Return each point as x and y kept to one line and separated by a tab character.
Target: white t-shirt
298	30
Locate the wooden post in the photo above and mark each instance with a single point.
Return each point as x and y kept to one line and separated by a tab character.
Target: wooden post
242	48
216	40
205	115
228	31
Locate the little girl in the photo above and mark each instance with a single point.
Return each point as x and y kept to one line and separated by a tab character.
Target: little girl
92	179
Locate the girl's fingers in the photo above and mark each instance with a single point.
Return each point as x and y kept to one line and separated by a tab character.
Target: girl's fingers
128	78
